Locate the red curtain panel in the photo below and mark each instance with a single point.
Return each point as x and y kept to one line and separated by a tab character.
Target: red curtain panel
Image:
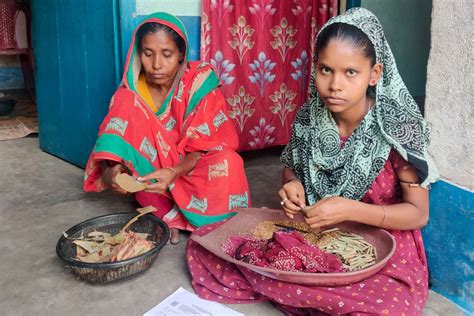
261	51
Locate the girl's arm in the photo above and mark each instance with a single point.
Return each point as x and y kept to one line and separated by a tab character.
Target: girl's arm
412	213
288	175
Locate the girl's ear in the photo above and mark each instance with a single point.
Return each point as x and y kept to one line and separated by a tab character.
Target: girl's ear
375	74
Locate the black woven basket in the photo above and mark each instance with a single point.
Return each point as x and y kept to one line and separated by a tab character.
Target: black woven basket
107	272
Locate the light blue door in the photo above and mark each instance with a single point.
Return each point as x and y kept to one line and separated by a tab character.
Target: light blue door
80	48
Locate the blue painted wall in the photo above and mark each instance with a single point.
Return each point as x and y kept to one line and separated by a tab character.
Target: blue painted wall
449	242
79	52
11	74
11	78
130	20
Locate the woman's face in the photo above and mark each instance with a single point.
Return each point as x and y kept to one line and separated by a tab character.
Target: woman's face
160	58
343	74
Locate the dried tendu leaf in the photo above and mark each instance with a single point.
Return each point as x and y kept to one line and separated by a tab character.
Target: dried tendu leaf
99	247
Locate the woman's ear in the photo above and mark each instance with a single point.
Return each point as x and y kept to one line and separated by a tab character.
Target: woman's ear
375	74
181	57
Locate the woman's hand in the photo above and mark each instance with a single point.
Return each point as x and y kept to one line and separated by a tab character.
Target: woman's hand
164	178
328	211
292	197
108	176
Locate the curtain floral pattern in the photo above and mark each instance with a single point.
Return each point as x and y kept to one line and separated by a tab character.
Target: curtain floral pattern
261	51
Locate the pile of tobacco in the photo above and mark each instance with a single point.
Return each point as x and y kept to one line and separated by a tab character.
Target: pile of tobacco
352	249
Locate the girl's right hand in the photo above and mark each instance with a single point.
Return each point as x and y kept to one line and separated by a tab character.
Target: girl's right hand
108	176
292	197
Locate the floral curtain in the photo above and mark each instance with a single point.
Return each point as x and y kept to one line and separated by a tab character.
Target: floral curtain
261	51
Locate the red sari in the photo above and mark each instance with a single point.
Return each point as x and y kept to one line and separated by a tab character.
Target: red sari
400	288
193	118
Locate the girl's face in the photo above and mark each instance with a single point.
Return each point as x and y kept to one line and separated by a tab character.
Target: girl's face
160	58
343	74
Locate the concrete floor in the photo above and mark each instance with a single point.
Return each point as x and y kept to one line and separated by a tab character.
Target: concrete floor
41	197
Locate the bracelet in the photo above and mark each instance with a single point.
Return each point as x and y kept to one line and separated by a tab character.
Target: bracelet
384	215
410	184
174	170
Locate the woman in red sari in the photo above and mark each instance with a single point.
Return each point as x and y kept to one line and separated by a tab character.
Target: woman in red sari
168	125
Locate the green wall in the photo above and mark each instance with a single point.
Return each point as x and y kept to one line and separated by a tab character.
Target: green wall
406	24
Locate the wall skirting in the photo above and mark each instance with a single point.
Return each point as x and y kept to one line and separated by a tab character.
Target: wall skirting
11	78
449	243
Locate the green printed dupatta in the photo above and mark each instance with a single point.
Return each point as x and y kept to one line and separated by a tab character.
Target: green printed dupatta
192	118
315	153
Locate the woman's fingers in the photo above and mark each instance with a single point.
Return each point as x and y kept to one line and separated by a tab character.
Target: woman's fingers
117	189
155	187
148	177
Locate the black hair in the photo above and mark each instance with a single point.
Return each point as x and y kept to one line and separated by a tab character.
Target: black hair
349	33
154	27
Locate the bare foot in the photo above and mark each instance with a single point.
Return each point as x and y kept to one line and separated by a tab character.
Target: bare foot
174	236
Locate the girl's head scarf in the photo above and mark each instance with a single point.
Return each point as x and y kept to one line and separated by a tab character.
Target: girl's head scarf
315	153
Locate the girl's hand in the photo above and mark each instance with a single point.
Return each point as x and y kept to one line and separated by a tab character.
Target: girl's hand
108	176
328	211
292	197
164	178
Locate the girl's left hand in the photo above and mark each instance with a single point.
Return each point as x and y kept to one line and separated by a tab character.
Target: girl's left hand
328	211
164	178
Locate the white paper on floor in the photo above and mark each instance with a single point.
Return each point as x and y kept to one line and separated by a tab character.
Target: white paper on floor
183	302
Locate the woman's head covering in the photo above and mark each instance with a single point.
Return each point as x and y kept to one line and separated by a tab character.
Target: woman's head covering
133	64
314	151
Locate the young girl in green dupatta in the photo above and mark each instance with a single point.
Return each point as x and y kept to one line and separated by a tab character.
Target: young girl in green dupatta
168	126
358	153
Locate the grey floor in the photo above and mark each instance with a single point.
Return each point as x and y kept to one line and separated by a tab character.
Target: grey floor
41	197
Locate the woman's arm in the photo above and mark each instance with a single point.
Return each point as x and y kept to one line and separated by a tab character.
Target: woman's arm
412	213
187	164
166	176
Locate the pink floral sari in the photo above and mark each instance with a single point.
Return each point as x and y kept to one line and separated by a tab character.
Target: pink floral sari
401	288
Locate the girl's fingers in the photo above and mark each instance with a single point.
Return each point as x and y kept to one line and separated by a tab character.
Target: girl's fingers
282	194
288	204
286	209
288	213
320	224
301	200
